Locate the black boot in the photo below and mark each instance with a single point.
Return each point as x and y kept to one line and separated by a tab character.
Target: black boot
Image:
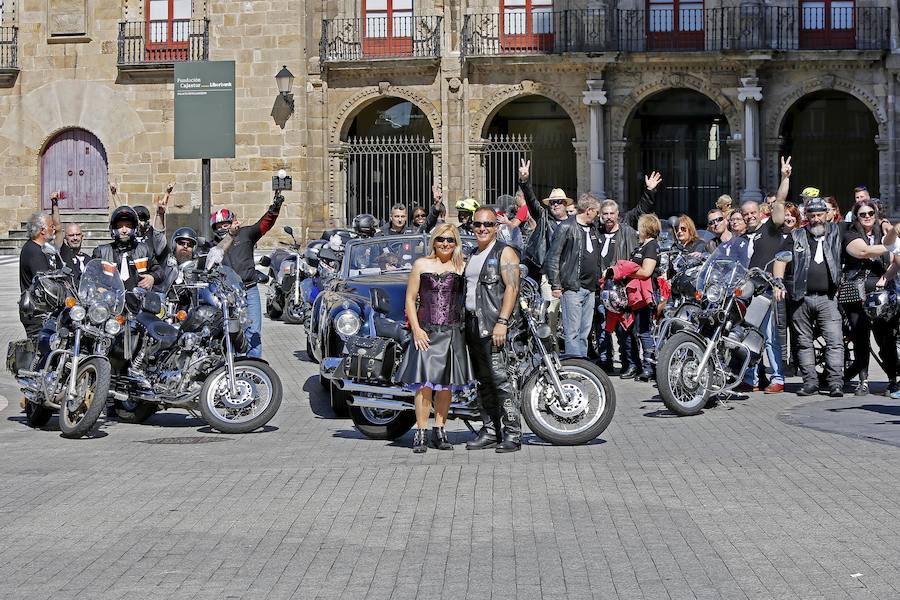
420	441
647	374
439	439
629	373
508	445
485	439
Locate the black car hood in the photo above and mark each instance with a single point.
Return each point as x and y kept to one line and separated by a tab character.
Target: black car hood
386	293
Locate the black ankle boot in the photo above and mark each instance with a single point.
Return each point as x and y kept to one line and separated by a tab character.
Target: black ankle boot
508	445
420	441
647	374
439	439
485	439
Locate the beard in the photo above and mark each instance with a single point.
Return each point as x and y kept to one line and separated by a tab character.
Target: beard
182	256
818	230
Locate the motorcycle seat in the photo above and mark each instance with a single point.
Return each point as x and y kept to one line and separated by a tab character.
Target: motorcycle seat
163	333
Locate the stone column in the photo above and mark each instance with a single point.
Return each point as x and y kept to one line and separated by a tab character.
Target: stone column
751	94
595	98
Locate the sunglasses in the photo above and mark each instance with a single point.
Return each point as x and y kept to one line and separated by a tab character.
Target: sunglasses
557	202
186	243
715	221
681	228
418	216
447	240
863	215
485	224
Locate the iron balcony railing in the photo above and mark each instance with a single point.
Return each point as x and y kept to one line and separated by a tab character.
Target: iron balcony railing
660	30
380	37
163	42
9	48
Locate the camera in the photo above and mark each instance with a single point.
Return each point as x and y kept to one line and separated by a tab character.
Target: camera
282	182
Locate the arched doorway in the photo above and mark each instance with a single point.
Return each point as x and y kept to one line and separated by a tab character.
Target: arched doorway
682	134
74	162
389	158
535	128
831	137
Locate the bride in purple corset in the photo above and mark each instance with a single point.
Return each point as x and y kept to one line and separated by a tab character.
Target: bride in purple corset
436	361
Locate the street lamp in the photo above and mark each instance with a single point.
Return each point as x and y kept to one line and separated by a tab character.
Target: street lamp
285	81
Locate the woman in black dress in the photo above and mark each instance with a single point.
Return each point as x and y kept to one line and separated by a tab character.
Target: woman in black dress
436	362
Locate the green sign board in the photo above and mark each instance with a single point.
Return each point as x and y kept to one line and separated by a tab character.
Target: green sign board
204	109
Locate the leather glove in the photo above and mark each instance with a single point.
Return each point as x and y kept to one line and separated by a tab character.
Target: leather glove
276	203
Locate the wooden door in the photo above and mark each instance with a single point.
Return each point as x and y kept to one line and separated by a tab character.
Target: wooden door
675	24
527	25
74	162
168	30
388	28
827	25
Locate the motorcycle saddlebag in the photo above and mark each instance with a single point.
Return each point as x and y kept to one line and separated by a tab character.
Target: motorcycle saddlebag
19	355
370	358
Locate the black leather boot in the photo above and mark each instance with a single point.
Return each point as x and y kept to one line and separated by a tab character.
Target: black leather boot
508	445
485	439
647	374
629	373
439	439
420	441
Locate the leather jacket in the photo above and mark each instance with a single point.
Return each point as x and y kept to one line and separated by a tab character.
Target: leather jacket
113	252
563	266
540	239
489	292
799	268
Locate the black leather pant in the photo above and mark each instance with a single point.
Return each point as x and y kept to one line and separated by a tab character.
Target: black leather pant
497	399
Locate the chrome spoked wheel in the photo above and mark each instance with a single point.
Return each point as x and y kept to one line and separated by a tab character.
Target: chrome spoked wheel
380	416
682	385
79	413
256	397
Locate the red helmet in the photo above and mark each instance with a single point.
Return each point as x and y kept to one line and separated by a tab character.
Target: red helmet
223	215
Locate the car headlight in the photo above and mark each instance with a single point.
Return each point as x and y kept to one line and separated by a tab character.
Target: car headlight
77	313
98	313
714	293
347	323
112	327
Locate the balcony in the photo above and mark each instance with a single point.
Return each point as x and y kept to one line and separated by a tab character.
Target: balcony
9	59
147	47
742	28
380	38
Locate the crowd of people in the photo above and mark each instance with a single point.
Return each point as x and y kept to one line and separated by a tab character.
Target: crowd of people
459	307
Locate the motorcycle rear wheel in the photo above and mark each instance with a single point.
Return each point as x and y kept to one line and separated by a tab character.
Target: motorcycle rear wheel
78	416
382	424
683	390
293	313
592	404
258	399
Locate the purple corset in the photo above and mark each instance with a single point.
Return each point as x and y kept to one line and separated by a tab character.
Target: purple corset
440	298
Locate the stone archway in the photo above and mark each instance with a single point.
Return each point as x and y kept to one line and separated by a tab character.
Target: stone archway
481	146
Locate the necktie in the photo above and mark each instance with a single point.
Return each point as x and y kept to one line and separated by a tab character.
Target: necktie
605	249
820	252
587	239
752	238
123	268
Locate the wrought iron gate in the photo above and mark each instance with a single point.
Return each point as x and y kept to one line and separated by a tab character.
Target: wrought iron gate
383	171
552	164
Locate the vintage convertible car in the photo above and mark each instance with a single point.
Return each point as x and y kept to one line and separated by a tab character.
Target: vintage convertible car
367	298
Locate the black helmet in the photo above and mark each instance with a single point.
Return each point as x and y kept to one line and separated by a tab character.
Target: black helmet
142	211
184	233
123	213
46	294
365	225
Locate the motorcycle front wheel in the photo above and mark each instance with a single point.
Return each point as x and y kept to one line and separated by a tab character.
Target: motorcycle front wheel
257	398
79	414
589	411
683	388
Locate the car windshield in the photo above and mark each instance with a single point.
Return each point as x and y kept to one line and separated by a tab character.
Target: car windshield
383	255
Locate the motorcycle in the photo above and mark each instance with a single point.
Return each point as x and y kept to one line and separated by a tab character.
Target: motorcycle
680	310
564	401
193	361
724	338
287	295
72	371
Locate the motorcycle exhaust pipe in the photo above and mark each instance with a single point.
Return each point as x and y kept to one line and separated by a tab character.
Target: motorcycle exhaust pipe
381	403
360	388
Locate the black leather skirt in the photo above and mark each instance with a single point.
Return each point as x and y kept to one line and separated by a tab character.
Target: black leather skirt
444	365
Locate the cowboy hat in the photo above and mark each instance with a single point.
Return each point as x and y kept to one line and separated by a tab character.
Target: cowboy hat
558	194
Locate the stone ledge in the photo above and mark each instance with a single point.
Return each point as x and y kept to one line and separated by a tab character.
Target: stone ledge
8	77
146	73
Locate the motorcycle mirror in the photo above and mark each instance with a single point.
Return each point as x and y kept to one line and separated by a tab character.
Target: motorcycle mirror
674	221
523	271
265	261
784	256
289	230
48	249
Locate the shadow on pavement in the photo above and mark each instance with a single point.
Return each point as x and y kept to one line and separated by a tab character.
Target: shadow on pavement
263	429
303	356
884	409
319	398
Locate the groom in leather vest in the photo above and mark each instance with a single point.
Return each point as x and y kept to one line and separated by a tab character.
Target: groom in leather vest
492	291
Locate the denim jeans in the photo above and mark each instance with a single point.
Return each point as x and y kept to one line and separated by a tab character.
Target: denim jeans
773	353
578	316
805	314
643	329
253	329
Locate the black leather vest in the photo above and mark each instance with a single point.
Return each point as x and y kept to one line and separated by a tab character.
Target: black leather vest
490	290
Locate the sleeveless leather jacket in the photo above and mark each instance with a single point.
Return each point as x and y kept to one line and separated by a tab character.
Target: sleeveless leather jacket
489	292
795	283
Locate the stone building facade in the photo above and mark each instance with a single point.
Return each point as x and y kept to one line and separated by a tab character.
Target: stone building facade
391	95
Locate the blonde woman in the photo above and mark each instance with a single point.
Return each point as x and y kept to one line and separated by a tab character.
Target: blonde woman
436	361
646	257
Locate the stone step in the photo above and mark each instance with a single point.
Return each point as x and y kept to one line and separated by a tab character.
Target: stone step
94	226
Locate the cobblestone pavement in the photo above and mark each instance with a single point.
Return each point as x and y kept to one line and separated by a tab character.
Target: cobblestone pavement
734	503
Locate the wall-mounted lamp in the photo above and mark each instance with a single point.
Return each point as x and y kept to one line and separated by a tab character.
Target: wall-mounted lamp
284	103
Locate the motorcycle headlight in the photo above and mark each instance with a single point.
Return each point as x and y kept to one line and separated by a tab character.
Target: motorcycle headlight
77	313
98	313
714	293
112	327
347	323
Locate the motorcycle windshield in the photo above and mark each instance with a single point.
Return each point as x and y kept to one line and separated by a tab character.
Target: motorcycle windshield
101	285
726	265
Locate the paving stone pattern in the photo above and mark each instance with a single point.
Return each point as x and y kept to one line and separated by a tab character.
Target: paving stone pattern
734	503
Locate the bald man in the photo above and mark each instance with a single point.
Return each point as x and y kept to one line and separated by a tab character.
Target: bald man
71	252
